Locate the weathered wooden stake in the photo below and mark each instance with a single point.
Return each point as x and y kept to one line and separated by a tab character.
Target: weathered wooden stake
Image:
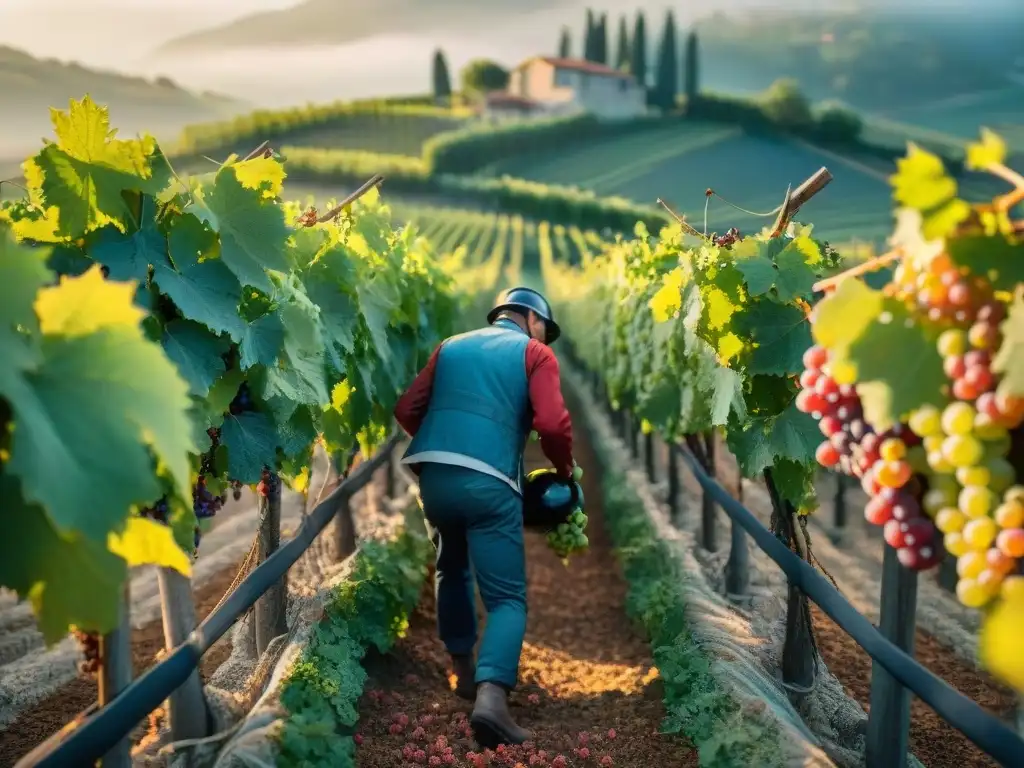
649	457
708	512
889	717
271	610
634	435
115	650
346	529
947	576
737	568
673	483
839	502
186	707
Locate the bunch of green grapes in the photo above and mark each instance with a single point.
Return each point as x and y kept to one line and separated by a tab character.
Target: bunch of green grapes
569	537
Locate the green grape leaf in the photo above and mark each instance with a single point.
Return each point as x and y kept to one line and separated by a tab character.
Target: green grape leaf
991	150
253	233
376	304
298	433
795	483
994	256
196	352
262	341
23	273
764	440
899	367
758	272
1009	361
202	288
85	173
101	398
921	183
782	335
68	578
128	257
251	441
840	318
785	269
796	279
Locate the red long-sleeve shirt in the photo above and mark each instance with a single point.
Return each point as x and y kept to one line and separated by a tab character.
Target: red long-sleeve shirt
550	416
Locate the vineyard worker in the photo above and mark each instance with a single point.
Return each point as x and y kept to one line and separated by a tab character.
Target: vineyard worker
470	412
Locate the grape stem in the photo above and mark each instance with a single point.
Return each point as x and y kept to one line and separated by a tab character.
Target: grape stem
793	202
373	181
871	265
1012	177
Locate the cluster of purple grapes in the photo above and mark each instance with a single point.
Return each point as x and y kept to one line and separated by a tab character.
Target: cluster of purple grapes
157	512
89	642
269	483
243	401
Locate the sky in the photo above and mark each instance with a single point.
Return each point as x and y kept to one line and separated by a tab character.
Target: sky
112	32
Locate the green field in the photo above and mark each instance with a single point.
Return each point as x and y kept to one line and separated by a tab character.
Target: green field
370	133
680	163
955	121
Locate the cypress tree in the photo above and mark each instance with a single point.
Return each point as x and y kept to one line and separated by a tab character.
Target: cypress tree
622	53
565	44
692	81
589	37
667	77
601	45
638	52
442	80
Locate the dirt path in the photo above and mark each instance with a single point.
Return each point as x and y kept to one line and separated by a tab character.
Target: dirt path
588	690
932	740
49	715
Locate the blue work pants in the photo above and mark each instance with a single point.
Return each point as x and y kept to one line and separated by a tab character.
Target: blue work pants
477	520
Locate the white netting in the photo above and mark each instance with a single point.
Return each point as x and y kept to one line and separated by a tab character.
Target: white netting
744	640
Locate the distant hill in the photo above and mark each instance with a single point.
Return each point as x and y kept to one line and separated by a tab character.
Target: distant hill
30	86
332	22
881	60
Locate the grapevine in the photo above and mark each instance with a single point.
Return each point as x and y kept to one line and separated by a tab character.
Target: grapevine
918	391
168	339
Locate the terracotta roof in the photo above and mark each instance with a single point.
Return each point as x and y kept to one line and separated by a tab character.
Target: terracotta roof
499	99
579	65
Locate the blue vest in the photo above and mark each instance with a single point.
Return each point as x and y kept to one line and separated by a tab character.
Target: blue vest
479	415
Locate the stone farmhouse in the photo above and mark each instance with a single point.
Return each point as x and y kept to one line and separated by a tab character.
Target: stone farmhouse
545	86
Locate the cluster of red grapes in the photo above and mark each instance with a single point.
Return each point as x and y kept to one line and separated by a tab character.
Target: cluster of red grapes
89	642
728	239
879	460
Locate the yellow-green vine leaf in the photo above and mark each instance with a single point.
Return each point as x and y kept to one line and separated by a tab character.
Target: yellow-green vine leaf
147	542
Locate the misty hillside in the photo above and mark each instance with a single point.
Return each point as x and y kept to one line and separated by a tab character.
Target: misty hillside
30	86
869	59
324	22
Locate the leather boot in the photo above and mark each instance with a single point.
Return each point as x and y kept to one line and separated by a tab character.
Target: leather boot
491	720
464	670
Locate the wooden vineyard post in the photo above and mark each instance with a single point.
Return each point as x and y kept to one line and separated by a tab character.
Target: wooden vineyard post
634	435
839	502
649	458
672	470
115	653
186	707
271	609
947	576
799	651
346	529
889	718
737	567
390	470
708	513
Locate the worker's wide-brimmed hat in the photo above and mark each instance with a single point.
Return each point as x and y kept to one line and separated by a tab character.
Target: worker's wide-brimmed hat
525	300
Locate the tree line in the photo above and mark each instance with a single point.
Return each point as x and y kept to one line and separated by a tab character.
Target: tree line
631	55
